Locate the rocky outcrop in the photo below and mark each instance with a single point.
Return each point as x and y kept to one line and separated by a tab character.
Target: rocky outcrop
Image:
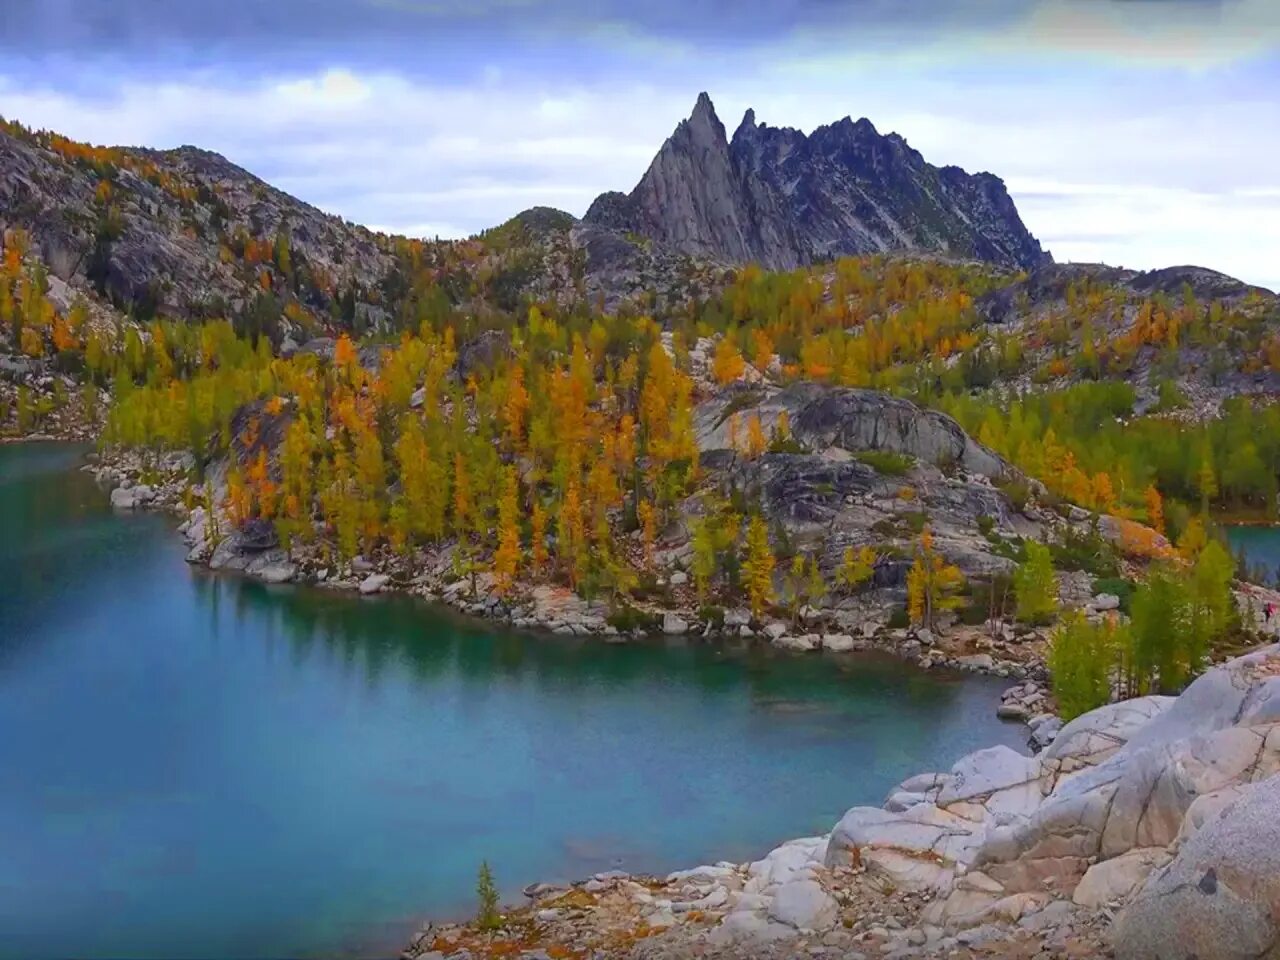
1220	897
1048	285
1000	835
853	420
825	494
782	199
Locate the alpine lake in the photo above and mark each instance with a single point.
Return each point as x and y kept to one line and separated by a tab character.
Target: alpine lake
199	765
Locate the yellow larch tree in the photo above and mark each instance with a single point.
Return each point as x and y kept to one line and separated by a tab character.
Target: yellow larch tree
931	583
758	567
506	559
727	365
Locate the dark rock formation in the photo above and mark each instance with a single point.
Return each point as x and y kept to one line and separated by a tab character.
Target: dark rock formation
1048	284
783	199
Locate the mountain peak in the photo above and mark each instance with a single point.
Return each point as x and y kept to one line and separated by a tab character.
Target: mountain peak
780	198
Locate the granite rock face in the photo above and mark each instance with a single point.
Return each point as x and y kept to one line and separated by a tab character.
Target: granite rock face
777	197
1220	897
1121	791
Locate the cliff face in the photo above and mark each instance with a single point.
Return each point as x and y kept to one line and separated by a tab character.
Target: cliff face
782	199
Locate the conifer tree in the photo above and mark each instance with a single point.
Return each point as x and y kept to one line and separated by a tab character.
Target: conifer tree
758	567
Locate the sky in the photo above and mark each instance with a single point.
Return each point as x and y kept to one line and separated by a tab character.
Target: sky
1141	133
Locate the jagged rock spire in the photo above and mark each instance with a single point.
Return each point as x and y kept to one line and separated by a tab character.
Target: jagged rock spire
774	196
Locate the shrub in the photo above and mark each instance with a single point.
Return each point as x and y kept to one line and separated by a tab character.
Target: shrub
1177	619
887	462
1082	658
1085	550
1117	587
915	522
1018	491
711	614
1035	586
627	618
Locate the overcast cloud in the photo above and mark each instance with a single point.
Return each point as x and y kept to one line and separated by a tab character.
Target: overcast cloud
1139	132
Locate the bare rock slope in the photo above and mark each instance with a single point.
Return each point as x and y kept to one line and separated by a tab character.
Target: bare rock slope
783	199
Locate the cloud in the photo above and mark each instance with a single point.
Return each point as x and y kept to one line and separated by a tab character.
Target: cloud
1137	167
421	35
1195	33
381	149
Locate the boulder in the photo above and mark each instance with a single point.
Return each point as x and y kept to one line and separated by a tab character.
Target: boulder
123	499
374	583
1013	711
1219	899
1116	879
800	642
980	662
837	642
277	572
1116	787
674	625
805	905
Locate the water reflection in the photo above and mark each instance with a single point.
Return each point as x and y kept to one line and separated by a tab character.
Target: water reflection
212	766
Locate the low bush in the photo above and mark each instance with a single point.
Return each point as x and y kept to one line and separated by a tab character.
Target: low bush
887	462
627	618
711	614
1117	587
1085	550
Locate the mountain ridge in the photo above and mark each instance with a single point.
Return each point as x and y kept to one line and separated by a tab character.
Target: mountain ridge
784	199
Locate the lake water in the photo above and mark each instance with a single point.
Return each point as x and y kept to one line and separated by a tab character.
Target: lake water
196	765
1261	545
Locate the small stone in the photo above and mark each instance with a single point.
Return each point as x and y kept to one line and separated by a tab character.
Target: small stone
1013	711
679	578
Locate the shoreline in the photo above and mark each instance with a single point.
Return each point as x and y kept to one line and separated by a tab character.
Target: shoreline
814	895
550	608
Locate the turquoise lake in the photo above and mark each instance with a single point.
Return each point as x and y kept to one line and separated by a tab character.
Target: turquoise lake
201	766
1261	545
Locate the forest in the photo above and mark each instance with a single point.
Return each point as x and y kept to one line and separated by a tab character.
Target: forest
556	442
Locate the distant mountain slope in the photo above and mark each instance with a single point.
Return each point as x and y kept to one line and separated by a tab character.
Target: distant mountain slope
783	199
185	232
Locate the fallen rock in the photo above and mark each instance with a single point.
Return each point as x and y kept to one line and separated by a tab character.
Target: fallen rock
801	642
805	905
674	625
837	642
374	583
124	499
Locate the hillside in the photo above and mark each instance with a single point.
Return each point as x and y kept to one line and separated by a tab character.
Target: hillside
111	252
